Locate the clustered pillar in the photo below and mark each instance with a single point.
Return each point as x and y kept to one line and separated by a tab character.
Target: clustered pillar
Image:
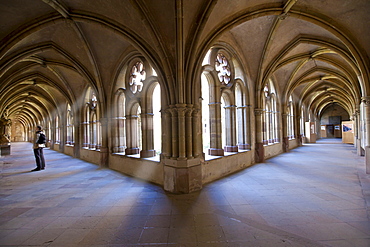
182	155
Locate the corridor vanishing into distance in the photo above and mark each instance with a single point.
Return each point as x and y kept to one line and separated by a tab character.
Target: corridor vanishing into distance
314	195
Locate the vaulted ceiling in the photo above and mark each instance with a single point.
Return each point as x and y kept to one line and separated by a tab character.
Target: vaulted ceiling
52	50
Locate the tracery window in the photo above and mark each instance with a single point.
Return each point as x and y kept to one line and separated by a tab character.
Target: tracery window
137	77
138	119
224	111
222	66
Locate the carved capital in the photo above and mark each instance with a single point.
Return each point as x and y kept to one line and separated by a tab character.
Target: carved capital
258	112
195	112
189	112
366	100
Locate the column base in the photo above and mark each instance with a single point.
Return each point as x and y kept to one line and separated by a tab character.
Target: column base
231	149
367	159
130	151
4	149
244	146
147	153
182	177
360	150
260	153
104	158
300	140
216	152
286	144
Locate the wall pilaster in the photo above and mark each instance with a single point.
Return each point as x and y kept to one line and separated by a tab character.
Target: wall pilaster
366	102
260	150
104	143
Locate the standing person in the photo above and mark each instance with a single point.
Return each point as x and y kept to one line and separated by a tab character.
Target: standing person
38	146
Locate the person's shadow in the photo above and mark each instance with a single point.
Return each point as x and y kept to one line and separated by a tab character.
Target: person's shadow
14	173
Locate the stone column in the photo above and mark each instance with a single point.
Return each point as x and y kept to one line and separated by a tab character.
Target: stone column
147	133
115	132
197	133
357	123
132	138
189	132
121	134
91	135
182	168
260	150
84	126
77	138
230	129
62	132
54	134
366	101
243	125
167	133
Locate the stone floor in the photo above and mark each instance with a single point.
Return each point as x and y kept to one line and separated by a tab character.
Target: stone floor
315	195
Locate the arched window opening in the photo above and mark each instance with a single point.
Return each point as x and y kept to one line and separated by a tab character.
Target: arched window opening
241	118
138	129
205	113
268	124
270	116
93	134
49	131
274	128
224	127
57	130
120	130
157	123
290	120
70	127
302	122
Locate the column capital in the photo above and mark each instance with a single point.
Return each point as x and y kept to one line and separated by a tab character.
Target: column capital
180	110
243	106
258	111
229	106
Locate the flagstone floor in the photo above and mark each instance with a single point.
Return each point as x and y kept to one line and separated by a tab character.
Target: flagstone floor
315	195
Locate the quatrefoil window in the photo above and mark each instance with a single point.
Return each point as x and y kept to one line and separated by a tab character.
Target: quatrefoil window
222	66
137	77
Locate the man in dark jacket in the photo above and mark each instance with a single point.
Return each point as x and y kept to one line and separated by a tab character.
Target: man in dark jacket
38	146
